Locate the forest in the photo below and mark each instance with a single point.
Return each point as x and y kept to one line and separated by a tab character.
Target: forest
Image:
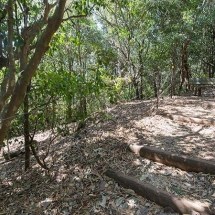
107	107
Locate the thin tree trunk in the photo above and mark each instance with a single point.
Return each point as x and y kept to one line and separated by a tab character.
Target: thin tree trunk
27	129
82	99
23	64
173	82
212	66
141	71
173	73
155	89
185	74
70	100
136	87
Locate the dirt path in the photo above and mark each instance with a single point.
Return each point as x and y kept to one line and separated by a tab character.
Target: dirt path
76	184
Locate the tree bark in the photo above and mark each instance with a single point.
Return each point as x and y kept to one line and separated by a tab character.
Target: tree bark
8	82
212	51
135	83
171	159
3	62
173	73
188	119
27	129
141	67
180	205
185	73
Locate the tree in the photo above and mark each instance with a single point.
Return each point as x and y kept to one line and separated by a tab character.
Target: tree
25	46
165	47
75	67
13	92
131	43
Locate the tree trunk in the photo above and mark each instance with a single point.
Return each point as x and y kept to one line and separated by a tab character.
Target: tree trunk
173	73
140	56
141	85
157	84
71	97
155	89
212	66
3	61
137	92
185	73
83	108
173	82
27	129
23	64
136	88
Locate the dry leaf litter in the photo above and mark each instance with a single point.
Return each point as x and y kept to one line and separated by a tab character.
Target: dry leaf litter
75	182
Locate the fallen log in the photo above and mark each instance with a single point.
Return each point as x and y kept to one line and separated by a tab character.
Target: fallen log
20	151
188	119
179	205
14	153
171	159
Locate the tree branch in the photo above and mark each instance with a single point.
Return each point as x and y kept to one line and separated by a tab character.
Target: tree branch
48	7
78	16
74	17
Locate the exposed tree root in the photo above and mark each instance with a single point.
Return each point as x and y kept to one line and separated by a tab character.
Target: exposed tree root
171	159
180	205
188	119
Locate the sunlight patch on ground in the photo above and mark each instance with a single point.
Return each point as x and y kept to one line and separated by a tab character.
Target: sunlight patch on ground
207	131
137	162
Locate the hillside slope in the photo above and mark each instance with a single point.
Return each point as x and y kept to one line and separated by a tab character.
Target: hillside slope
75	182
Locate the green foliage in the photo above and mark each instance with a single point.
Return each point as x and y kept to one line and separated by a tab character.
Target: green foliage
123	48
